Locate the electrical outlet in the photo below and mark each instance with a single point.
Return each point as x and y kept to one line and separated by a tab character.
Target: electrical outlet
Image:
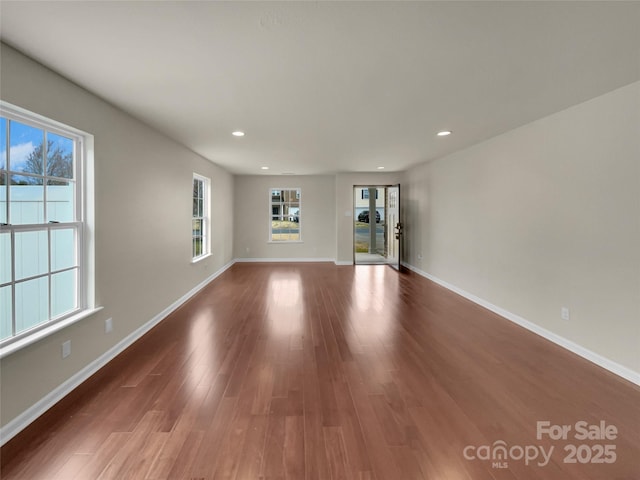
564	313
108	325
419	256
66	349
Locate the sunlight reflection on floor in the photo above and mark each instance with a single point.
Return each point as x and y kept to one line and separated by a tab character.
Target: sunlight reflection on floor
285	303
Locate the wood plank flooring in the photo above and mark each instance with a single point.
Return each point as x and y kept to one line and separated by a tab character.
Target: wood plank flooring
324	372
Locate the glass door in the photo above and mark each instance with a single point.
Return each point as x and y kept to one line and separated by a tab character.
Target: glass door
369	229
377	230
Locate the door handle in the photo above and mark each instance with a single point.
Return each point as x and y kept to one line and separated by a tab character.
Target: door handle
398	229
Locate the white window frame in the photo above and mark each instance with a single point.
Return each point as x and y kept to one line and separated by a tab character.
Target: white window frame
206	218
82	225
280	191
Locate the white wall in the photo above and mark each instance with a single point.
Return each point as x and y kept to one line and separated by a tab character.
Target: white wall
143	229
542	217
252	216
327	206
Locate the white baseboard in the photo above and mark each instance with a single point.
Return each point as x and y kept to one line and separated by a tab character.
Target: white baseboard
344	262
585	353
15	426
282	260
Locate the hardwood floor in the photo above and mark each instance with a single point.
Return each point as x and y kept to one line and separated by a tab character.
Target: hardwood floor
314	371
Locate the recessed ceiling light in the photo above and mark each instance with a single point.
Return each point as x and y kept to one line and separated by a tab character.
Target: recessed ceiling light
380	168
238	133
444	133
264	168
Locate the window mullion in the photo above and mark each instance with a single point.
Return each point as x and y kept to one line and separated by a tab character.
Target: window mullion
50	280
45	153
78	178
205	250
8	176
13	283
80	287
6	166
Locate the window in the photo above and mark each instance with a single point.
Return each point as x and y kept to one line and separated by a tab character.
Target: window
201	244
43	267
285	215
365	194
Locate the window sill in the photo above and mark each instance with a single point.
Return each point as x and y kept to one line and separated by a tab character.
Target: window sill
46	331
285	241
201	257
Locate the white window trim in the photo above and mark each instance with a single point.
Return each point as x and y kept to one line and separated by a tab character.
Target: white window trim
206	215
298	197
200	257
84	222
49	329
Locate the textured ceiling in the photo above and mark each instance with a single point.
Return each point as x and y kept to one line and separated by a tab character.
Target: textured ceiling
322	87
